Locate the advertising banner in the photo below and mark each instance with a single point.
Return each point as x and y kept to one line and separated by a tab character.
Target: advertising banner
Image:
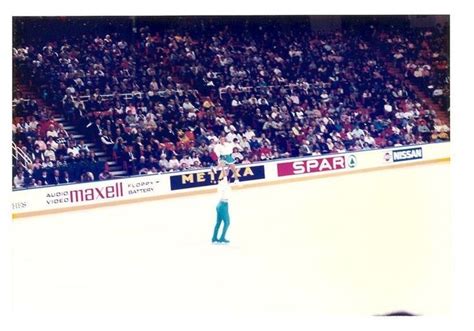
207	177
64	196
311	165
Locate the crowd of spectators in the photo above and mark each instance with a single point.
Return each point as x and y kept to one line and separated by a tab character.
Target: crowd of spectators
423	57
158	102
56	157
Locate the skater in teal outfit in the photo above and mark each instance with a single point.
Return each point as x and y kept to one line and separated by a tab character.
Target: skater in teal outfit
222	209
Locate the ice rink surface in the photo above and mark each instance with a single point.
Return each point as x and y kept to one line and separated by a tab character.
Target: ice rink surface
351	245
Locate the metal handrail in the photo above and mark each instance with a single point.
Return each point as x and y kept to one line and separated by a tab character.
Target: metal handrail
20	156
128	95
244	89
21	99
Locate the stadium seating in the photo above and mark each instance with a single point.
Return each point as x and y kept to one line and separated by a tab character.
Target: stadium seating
139	99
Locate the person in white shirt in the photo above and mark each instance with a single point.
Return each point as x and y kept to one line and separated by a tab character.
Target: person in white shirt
186	162
238	157
244	143
187	105
174	163
19	180
357	132
249	133
52	132
222	209
232	135
164	164
50	153
73	149
369	140
224	151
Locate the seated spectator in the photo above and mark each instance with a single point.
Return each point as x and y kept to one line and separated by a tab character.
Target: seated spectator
206	159
65	179
305	150
55	178
73	149
43	179
186	162
244	143
87	176
254	143
37	154
82	146
50	142
52	132
174	163
47	164
19	179
238	157
246	160
49	154
164	164
195	159
61	140
61	161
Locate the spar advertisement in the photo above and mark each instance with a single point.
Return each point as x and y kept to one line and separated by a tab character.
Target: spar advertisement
317	164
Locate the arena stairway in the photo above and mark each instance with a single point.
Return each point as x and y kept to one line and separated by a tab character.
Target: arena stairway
442	114
114	168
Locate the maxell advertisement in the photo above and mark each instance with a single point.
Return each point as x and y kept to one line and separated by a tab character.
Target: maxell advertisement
80	194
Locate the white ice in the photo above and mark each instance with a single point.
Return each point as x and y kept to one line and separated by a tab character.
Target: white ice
359	244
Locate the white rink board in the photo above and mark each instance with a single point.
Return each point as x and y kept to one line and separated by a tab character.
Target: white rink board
45	199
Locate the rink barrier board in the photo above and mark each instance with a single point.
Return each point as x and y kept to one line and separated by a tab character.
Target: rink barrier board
213	189
157	187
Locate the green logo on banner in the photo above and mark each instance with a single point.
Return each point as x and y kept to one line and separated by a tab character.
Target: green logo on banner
352	161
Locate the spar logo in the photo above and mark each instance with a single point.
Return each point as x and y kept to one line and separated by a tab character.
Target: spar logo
313	165
407	154
96	193
352	161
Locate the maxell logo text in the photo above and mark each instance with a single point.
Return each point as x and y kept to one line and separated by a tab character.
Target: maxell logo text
407	154
97	193
301	167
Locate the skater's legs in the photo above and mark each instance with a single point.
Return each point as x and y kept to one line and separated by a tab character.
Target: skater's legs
226	218
218	224
234	171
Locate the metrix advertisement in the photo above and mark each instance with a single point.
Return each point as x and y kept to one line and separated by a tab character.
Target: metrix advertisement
207	178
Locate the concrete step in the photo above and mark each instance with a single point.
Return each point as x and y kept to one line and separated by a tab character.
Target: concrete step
119	173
